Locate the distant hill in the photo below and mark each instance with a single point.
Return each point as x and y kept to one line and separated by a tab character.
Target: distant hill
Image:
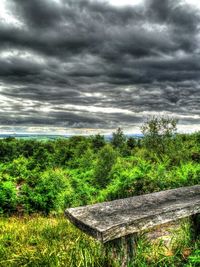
33	136
53	136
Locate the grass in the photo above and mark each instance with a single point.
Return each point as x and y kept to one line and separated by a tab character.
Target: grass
40	241
53	241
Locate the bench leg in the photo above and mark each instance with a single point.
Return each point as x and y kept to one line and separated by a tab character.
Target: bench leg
121	250
196	225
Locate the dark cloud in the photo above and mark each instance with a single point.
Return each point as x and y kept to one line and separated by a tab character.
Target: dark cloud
39	14
90	64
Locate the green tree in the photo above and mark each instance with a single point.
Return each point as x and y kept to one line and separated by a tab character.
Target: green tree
159	134
118	139
107	157
98	141
131	143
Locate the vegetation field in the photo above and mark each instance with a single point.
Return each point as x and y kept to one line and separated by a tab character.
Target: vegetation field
53	241
38	180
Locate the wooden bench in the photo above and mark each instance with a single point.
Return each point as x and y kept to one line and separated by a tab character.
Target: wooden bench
115	223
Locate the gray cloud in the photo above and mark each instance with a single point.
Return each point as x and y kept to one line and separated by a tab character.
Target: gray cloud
87	64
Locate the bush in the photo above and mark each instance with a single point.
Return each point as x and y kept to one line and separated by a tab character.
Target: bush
52	192
8	197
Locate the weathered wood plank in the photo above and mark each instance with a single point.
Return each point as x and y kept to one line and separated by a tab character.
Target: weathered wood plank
110	220
121	251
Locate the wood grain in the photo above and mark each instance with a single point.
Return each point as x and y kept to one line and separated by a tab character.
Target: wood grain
110	220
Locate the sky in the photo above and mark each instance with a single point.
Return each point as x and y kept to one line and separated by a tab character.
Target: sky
91	66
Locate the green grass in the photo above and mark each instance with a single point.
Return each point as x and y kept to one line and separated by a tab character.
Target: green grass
53	241
40	241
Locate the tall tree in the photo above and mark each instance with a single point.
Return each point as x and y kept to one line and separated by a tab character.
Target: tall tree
118	139
158	133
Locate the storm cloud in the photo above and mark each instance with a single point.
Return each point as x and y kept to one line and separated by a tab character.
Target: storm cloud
90	64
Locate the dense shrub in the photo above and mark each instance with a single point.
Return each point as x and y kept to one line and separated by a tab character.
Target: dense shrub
49	176
8	197
51	192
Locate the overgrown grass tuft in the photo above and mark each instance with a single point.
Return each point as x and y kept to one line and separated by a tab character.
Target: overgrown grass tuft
53	241
40	241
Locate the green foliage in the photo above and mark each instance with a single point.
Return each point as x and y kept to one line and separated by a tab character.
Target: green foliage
52	175
8	197
49	176
159	134
7	150
16	170
194	258
106	159
118	139
131	143
51	192
98	142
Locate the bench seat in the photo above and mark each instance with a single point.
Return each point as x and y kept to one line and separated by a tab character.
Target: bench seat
114	219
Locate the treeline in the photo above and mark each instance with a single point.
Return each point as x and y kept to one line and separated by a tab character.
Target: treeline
49	176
